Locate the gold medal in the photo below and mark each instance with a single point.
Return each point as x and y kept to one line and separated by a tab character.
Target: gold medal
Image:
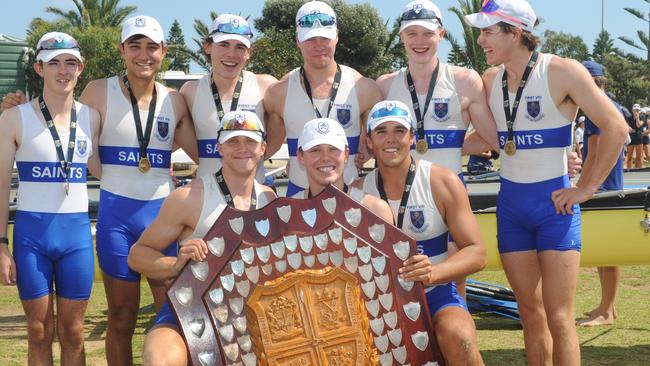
510	147
421	146
144	164
67	186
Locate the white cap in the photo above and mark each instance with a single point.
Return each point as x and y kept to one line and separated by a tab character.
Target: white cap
53	44
322	131
317	30
581	119
636	107
389	111
514	12
231	27
422	13
142	25
240	123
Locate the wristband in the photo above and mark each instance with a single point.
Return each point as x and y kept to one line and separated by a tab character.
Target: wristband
4	240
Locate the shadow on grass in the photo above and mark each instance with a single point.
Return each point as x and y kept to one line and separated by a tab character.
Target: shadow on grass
591	355
488	321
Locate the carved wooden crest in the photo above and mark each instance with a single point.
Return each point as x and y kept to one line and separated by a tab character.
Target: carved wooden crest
304	282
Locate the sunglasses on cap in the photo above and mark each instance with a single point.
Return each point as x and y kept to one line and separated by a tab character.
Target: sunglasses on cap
239	122
233	28
393	111
308	21
58	42
491	7
420	14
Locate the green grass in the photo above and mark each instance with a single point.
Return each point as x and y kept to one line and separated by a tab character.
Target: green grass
500	340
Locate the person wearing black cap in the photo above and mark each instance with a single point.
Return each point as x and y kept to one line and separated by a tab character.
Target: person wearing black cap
605	313
534	98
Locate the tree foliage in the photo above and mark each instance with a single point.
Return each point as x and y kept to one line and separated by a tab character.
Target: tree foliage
564	45
98	48
604	45
468	54
97	13
177	53
643	36
364	40
628	79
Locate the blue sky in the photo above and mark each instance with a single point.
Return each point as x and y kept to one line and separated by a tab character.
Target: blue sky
578	17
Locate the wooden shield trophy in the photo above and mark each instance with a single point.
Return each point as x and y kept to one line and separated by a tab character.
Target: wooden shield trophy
304	282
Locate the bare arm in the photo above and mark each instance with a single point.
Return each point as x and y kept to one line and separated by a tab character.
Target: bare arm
172	222
185	135
453	204
94	96
573	78
274	100
379	207
384	82
94	164
10	122
475	105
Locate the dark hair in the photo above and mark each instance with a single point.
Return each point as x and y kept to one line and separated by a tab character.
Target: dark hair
135	38
600	81
528	39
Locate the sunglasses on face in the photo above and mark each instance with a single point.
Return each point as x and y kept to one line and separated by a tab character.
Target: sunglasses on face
309	20
421	14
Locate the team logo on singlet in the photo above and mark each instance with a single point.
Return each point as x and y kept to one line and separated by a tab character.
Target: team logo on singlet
534	108
417	220
441	109
344	114
82	147
162	128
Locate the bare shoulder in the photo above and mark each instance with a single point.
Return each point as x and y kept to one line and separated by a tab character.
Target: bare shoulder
185	198
560	68
269	194
385	81
488	77
444	182
265	80
180	107
468	81
378	206
94	94
10	119
275	95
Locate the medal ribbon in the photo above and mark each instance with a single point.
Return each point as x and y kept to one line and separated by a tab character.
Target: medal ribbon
333	92
414	98
223	187
510	117
143	141
405	195
66	164
235	96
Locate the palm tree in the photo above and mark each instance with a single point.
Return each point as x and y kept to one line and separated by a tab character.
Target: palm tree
643	36
105	13
469	54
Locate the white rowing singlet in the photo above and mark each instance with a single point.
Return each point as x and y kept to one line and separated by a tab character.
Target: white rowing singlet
206	120
542	134
42	180
298	110
444	128
120	152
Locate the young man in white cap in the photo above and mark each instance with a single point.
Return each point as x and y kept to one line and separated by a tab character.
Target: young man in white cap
443	98
323	151
141	122
227	88
320	88
53	139
188	214
538	217
428	202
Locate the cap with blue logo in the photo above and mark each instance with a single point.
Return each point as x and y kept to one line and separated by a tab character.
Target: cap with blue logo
142	25
322	131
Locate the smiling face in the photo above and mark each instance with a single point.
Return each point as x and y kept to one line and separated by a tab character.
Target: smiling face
324	165
421	44
497	44
390	143
60	74
142	56
241	154
318	52
228	57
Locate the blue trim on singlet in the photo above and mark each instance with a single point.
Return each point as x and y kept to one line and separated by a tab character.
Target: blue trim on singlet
539	139
130	156
208	149
433	246
49	172
353	145
444	139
